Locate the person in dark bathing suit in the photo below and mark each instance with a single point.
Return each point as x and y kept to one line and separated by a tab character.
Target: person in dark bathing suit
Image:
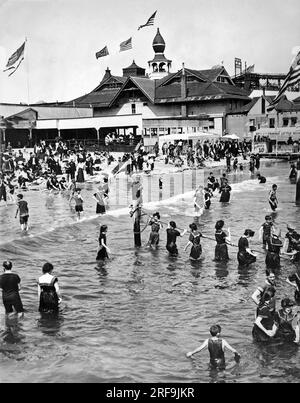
172	234
48	291
294	280
225	193
273	254
266	230
155	227
216	347
284	319
264	326
245	256
221	249
102	248
194	241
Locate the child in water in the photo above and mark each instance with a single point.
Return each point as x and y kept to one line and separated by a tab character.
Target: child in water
216	347
78	202
273	201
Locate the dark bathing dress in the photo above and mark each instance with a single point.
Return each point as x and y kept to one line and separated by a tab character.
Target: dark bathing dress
243	257
196	249
267	321
221	250
171	246
48	297
273	254
102	252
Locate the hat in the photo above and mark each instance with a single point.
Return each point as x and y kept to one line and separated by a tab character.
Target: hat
290	226
287	302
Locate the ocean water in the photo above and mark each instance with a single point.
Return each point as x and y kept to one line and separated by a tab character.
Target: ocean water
134	318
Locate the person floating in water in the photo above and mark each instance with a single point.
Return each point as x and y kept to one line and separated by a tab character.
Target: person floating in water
221	249
262	179
103	249
273	201
156	225
245	256
285	319
48	290
194	241
216	347
172	234
266	230
10	285
23	211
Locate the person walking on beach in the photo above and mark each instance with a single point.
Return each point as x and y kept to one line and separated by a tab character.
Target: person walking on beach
102	247
48	290
216	347
23	211
172	234
10	285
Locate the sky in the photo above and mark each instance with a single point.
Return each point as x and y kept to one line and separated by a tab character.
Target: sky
64	35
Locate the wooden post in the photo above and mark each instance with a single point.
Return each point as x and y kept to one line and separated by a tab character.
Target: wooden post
137	210
137	226
298	184
1	153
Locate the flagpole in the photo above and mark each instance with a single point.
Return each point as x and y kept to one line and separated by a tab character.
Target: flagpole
27	71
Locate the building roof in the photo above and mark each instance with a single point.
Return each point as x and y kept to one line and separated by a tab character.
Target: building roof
201	85
42	112
284	105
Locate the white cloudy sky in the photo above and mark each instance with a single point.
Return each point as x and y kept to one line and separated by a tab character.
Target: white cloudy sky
63	36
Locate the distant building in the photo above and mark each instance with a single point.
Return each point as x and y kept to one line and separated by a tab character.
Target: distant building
158	105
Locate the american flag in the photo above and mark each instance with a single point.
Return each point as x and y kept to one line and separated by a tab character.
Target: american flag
125	45
15	59
149	22
102	52
292	78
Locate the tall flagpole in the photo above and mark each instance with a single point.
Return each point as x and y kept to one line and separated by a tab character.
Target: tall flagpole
27	70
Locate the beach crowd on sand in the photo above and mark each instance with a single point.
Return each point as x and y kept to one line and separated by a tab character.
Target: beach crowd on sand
53	167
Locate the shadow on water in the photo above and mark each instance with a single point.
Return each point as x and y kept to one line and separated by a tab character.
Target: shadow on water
50	323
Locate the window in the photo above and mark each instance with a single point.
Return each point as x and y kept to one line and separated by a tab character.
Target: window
285	122
133	110
293	121
272	123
